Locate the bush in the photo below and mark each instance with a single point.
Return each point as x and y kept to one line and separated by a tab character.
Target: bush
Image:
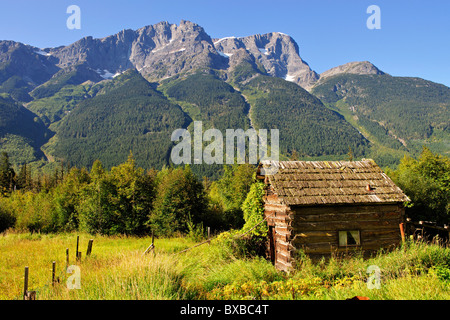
32	212
253	208
427	183
252	238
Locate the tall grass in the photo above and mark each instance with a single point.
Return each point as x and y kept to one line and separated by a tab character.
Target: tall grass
117	269
113	270
409	272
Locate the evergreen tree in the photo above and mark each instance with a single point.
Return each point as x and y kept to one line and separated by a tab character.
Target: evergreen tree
23	180
7	174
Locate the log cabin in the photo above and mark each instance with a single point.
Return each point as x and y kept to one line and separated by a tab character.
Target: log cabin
329	207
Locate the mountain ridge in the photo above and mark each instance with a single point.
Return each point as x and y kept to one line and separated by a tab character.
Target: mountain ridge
193	74
161	51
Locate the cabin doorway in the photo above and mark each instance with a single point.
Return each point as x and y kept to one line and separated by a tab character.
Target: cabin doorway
272	251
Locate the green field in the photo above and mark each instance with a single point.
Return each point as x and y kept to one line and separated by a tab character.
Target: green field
117	269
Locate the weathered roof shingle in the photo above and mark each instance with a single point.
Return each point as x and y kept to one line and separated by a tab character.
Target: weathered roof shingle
332	182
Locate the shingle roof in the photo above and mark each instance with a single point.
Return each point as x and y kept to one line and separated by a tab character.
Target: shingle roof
332	182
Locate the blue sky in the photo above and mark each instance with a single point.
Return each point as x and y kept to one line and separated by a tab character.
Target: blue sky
414	39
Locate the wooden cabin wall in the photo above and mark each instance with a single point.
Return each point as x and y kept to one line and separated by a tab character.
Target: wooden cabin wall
279	218
315	229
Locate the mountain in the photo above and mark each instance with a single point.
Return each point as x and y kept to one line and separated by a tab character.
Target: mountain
157	52
22	68
357	67
102	98
307	128
209	99
21	131
127	116
395	113
276	52
73	75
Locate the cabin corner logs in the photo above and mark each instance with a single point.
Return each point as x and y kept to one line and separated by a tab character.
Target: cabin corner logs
325	207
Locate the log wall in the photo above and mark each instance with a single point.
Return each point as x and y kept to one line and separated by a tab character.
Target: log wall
315	230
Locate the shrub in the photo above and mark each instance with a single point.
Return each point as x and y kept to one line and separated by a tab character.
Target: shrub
427	182
252	238
253	209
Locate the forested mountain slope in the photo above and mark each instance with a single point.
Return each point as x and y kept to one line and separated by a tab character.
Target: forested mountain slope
399	113
307	127
130	116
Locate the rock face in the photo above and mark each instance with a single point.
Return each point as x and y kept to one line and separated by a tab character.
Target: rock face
163	50
278	53
31	64
156	51
160	51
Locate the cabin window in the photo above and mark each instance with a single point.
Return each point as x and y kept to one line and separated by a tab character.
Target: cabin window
349	238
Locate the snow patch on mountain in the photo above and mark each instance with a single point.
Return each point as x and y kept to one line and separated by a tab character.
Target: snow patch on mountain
263	51
225	55
105	74
43	53
222	39
289	78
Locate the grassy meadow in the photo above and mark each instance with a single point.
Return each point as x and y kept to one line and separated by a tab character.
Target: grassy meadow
117	269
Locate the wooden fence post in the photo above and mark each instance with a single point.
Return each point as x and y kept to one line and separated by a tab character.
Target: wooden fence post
67	257
152	246
27	295
25	284
53	273
448	233
76	251
89	248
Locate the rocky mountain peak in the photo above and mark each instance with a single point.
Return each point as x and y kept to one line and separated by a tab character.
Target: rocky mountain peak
277	52
357	67
163	50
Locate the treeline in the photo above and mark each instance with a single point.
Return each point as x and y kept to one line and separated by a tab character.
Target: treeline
124	200
130	200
